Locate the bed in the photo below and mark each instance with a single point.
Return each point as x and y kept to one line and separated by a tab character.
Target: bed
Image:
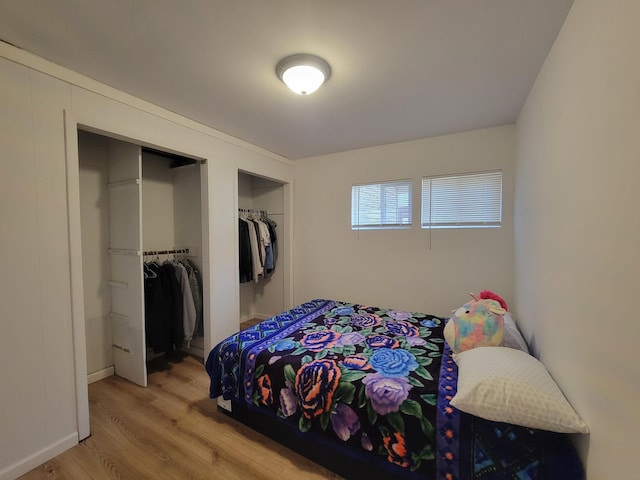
366	391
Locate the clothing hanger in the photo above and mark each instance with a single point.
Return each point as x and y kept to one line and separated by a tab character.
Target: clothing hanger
148	272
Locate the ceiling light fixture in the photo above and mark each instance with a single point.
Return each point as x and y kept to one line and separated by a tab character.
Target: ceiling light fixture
303	73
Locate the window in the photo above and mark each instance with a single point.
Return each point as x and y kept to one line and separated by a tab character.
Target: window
462	201
381	205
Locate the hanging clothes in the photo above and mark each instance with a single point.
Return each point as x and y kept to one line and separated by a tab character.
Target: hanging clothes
264	240
257	245
163	309
274	245
256	265
195	279
246	267
188	305
173	303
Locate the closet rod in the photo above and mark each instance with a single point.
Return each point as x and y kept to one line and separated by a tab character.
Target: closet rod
166	252
123	251
251	210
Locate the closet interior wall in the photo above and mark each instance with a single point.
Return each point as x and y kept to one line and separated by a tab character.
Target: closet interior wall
171	218
93	173
265	298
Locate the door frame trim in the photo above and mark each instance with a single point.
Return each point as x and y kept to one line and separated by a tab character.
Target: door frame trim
76	279
71	127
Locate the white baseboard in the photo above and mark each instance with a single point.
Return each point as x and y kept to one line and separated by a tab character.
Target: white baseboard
100	374
32	461
224	404
258	316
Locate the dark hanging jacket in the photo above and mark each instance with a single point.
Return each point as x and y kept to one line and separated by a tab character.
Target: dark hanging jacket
246	270
163	317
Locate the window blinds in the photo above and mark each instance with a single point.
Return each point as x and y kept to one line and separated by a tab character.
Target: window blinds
467	200
381	205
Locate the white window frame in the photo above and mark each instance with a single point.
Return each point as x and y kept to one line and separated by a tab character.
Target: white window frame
467	200
384	216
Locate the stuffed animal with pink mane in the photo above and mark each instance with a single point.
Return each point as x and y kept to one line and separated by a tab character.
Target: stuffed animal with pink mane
478	323
489	295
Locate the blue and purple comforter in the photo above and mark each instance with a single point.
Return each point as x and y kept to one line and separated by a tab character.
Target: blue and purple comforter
374	384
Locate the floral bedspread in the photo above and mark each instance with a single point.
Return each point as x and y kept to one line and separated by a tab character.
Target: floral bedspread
364	376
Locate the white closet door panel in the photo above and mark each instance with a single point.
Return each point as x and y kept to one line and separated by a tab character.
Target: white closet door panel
125	243
128	346
124	270
124	213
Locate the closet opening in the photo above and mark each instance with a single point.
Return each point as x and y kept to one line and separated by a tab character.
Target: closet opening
141	224
262	295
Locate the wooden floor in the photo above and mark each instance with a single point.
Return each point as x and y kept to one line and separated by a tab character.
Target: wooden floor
171	430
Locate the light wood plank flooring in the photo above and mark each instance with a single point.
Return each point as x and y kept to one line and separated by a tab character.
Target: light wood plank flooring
171	430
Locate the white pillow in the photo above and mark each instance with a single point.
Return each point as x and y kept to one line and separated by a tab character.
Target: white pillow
512	336
507	385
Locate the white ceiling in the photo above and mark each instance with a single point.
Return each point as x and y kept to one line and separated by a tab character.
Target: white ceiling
401	70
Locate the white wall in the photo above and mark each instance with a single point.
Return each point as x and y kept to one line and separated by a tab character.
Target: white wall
36	355
396	268
38	398
577	227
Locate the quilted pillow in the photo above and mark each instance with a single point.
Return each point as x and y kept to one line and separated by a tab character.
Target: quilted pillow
507	385
512	336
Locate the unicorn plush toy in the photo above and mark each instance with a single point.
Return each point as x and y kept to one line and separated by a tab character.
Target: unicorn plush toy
478	323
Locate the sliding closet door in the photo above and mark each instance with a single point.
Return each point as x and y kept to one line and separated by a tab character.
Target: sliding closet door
127	287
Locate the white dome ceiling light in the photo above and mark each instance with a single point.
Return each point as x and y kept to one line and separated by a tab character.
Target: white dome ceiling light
303	73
